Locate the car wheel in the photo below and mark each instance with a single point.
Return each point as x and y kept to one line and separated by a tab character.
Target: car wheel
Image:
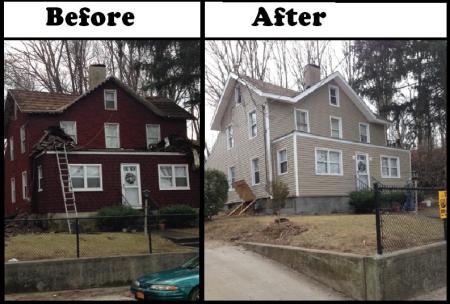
195	294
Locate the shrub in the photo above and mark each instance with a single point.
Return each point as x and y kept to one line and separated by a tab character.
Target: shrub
362	201
280	192
120	217
178	216
216	192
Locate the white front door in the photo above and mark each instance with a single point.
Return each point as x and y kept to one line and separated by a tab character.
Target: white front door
131	185
362	171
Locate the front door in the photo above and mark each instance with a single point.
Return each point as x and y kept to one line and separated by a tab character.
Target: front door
362	171
131	185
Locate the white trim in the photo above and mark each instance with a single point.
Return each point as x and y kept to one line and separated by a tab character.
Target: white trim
86	189
389	157
342	141
138	173
146	132
40	176
268	142
11	148
24	185
249	124
118	134
174	187
340	126
227	133
115	99
252	171
368	131
279	164
295	165
116	153
338	103
307	119
341	164
22	139
74	126
13	190
367	168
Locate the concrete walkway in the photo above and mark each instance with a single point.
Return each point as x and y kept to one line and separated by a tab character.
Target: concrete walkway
232	273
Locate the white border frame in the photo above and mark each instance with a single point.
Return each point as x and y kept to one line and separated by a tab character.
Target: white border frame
279	164
174	187
85	189
249	126
368	167
340	127
75	127
328	161
338	102
389	166
115	99
118	133
146	132
237	89
22	133
307	119
138	172
252	171
368	132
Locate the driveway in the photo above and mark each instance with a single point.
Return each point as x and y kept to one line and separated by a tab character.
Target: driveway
232	273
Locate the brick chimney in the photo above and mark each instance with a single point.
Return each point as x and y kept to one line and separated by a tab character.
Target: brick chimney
311	75
97	74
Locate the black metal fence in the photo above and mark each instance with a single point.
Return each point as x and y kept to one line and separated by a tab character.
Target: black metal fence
34	239
407	217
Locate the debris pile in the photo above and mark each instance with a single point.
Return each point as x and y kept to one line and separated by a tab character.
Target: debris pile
283	231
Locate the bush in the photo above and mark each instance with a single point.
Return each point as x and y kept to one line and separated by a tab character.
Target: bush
216	192
178	216
362	201
120	218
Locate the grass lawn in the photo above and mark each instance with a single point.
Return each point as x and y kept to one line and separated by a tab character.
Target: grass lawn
36	246
344	233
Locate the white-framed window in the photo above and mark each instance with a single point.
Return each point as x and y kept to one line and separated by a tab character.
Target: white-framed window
86	177
364	133
112	135
70	128
252	128
390	166
231	177
237	95
230	137
282	161
153	133
40	177
22	139
328	161
255	171
173	177
302	120
13	190
11	148
24	185
110	99
333	93
335	127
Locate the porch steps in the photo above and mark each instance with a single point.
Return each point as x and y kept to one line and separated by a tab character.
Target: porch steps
241	208
66	184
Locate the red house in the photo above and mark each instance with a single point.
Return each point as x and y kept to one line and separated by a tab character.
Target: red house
110	163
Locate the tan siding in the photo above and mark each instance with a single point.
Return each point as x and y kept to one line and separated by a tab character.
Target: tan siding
311	184
289	177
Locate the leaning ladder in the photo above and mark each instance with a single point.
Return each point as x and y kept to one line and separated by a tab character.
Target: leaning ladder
66	184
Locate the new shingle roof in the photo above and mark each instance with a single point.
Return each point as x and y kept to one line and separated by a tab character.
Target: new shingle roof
269	87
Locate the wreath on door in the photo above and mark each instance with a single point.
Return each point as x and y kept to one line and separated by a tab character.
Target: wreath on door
361	166
130	178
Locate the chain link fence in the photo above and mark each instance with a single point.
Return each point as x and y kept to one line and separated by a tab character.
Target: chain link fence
36	239
407	217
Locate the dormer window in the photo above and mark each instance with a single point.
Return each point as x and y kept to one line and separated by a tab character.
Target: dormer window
110	100
237	95
333	92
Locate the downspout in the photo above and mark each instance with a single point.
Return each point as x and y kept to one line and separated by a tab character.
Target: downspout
268	148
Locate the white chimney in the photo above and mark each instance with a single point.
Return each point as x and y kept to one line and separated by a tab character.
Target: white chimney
311	75
97	74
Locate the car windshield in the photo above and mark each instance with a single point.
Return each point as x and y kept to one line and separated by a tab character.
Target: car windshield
192	263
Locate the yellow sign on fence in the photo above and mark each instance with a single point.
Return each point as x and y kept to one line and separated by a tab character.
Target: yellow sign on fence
443	204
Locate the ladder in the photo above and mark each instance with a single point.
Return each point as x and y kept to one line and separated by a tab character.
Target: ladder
66	184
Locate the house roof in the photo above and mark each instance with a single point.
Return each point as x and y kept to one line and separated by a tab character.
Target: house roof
280	94
55	103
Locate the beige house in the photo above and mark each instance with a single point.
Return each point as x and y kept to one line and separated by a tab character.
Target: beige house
323	142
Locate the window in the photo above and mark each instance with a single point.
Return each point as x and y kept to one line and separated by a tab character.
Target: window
302	120
390	167
22	139
336	127
70	128
173	177
231	177
237	95
112	135
364	135
13	190
255	171
333	95
328	162
24	185
39	169
252	129
153	134
86	177
230	137
110	100
11	148
282	162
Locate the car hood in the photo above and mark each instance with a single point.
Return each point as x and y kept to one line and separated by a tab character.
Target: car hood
172	276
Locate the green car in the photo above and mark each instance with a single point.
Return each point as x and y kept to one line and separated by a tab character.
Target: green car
179	283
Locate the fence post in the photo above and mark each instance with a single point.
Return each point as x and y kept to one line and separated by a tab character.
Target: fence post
377	217
77	229
149	231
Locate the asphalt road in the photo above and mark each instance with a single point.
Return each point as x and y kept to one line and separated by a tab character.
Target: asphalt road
232	273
